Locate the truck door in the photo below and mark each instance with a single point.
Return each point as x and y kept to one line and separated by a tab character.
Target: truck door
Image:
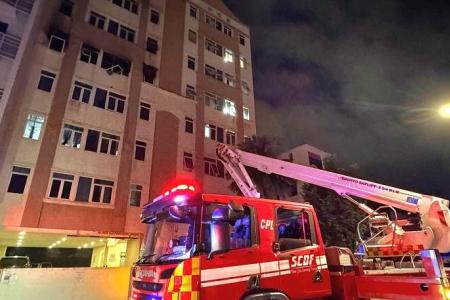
227	275
301	256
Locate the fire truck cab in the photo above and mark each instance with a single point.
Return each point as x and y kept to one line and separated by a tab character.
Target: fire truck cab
230	247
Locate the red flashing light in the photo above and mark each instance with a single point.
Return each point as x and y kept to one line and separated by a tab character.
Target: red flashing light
180	187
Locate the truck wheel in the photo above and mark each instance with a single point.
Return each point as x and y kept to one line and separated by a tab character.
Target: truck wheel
266	296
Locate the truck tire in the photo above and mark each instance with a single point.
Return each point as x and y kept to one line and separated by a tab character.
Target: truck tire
266	296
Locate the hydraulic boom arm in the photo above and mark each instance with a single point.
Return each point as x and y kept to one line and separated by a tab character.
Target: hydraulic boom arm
434	211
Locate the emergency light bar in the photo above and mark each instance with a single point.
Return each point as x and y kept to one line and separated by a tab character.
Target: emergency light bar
181	187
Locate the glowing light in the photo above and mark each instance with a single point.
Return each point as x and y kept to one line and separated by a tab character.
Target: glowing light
101	240
64	239
79	247
85	245
21	237
58	242
50	247
22	233
444	111
191	188
447	293
179	199
92	243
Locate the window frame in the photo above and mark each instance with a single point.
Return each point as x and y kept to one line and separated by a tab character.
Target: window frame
188	157
188	123
63	179
142	107
17	171
135	189
95	19
154	12
35	121
74	130
46	77
140	146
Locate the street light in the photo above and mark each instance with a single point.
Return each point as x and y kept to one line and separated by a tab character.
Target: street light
444	111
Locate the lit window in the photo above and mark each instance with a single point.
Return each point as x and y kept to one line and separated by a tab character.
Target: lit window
46	81
228	56
97	20
72	136
135	195
188	125
82	92
242	63
246	113
229	108
154	16
210	131
18	180
191	63
139	153
33	127
61	186
144	112
188	161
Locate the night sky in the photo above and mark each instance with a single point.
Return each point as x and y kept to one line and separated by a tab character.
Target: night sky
359	79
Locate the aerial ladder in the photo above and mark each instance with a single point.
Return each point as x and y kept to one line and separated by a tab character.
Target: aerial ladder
386	232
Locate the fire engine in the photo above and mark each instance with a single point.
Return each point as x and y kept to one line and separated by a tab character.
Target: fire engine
208	246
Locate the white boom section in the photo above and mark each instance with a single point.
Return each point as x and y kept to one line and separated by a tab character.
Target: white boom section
434	211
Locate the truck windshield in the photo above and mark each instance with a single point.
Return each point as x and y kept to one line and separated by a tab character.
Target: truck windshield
171	236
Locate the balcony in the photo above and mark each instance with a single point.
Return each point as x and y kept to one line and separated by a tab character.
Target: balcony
9	44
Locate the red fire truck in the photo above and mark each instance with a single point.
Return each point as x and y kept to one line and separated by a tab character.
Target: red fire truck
206	246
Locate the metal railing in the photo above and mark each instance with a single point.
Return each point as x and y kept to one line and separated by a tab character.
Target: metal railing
9	44
391	225
22	5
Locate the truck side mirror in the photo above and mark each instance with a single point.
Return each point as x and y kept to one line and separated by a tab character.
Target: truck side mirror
220	238
276	247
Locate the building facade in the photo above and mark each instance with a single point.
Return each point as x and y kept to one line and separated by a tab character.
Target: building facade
108	101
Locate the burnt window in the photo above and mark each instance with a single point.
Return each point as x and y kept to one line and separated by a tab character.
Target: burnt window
66	7
152	45
89	54
57	40
139	152
149	73
115	65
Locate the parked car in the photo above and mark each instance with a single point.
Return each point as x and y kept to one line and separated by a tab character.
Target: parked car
8	262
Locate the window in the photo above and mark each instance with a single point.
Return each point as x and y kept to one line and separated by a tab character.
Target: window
230	137
227	30
188	125
192	36
229	108
246	113
127	33
3	27
210	71
82	92
109	144
188	161
242	40
66	7
213	167
115	65
218	25
102	192
214	101
92	140
228	56
193	12
46	81
229	80
72	136
213	47
149	73
135	195
100	98
191	63
144	111
242	62
315	160
33	127
97	20
89	54
83	189
210	131
219	50
57	41
18	180
154	16
152	45
220	134
210	21
245	88
116	102
61	186
190	92
113	27
295	229
130	5
139	152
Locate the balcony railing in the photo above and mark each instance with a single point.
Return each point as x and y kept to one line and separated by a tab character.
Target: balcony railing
22	5
9	44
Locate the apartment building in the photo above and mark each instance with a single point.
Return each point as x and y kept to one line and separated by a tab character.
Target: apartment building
107	102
